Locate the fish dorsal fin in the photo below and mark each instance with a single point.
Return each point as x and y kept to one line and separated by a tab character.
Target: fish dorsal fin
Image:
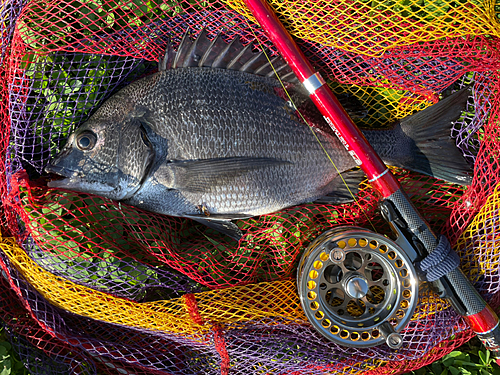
216	53
165	63
182	56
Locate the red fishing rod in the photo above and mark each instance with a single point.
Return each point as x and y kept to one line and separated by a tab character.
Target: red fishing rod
414	236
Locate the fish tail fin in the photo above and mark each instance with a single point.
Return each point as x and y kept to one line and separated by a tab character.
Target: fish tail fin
422	142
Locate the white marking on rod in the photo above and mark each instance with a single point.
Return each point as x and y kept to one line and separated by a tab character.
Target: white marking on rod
313	83
380	175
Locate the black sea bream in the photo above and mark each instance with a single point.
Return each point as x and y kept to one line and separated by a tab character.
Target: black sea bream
212	137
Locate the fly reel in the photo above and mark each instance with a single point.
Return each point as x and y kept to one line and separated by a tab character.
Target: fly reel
357	288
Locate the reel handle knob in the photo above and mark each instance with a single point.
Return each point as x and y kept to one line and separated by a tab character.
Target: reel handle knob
393	339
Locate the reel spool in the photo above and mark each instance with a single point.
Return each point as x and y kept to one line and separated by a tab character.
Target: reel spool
357	288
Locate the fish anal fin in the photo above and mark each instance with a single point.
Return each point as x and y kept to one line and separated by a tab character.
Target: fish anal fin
344	188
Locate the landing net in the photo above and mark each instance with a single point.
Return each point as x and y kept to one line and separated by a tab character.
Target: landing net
92	286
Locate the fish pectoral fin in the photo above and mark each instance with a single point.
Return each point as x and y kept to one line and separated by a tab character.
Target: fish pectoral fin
201	175
343	189
221	225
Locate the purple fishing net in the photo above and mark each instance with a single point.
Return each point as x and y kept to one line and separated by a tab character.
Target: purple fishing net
9	12
272	347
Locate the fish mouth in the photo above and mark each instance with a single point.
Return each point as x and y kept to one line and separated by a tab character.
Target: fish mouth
72	180
60	171
61	177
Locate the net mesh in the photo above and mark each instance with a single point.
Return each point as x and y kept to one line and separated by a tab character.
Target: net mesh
93	286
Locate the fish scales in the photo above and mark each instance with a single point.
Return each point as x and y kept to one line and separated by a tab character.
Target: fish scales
215	113
215	144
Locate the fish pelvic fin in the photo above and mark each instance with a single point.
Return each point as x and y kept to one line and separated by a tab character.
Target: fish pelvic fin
223	226
216	53
422	142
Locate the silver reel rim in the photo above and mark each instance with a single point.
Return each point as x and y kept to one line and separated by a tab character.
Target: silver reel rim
357	287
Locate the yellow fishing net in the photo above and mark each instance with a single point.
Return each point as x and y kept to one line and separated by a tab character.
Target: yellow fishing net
190	316
373	27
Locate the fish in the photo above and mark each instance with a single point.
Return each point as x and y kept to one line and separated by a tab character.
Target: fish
211	136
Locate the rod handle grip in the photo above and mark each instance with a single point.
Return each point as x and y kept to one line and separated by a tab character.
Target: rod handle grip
454	286
476	312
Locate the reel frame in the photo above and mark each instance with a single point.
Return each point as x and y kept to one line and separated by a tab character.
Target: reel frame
358	288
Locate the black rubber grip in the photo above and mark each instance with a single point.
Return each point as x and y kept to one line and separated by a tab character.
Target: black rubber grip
458	289
454	286
462	292
416	224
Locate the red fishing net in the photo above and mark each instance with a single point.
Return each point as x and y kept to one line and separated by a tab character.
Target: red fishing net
95	286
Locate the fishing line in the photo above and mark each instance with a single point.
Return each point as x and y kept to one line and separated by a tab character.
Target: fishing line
310	127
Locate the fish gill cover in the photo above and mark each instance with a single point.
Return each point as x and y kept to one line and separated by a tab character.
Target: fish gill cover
94	286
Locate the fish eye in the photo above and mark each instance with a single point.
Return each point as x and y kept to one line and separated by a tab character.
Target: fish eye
86	141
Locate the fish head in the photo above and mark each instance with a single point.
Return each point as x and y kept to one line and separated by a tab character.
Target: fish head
106	158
